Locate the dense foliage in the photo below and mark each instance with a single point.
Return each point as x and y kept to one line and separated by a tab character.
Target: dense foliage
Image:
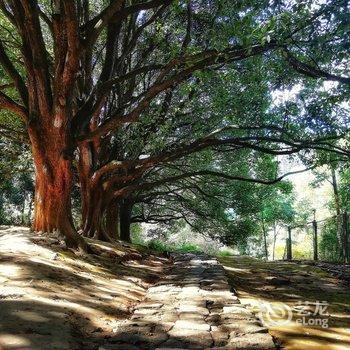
164	110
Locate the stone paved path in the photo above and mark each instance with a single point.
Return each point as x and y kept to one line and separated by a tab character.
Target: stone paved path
192	308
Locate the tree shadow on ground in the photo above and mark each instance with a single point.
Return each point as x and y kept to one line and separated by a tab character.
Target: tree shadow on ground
50	298
298	286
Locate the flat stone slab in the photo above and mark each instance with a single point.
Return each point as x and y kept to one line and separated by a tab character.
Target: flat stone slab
193	324
191	308
251	342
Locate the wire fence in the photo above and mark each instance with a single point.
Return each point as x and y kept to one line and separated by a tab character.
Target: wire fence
326	240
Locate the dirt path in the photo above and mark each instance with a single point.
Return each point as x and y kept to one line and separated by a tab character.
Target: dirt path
121	298
124	298
51	298
318	303
192	308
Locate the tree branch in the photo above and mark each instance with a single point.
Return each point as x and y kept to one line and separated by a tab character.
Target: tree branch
7	103
313	72
147	186
115	12
182	68
13	74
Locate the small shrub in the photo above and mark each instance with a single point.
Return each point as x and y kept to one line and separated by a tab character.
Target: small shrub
301	253
136	234
158	246
161	246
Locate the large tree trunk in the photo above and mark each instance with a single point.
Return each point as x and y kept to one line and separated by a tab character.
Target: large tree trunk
112	220
93	210
53	185
95	220
125	221
84	171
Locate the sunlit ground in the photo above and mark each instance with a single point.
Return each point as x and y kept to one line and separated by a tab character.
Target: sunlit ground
52	299
317	304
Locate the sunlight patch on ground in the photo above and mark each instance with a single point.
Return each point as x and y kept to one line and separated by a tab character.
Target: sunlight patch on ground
301	288
51	295
235	269
14	342
9	270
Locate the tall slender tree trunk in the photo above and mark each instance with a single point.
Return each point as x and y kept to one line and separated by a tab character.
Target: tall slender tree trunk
265	237
125	221
23	215
274	241
95	214
93	203
335	192
31	204
339	217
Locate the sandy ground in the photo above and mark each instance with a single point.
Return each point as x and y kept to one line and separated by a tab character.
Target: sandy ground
289	297
51	298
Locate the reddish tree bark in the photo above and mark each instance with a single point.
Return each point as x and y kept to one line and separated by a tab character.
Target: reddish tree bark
53	183
95	211
84	171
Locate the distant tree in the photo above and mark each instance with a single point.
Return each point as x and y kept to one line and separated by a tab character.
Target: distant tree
333	242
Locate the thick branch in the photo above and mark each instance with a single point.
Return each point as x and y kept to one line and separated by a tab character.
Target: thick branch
147	186
32	34
7	103
13	74
181	69
115	12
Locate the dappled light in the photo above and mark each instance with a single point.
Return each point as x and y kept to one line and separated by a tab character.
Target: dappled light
302	288
174	174
190	309
47	294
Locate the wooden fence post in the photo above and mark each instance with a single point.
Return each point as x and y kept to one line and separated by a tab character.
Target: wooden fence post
314	224
289	244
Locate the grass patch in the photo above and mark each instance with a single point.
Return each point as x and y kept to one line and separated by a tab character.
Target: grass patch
160	246
188	248
224	252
